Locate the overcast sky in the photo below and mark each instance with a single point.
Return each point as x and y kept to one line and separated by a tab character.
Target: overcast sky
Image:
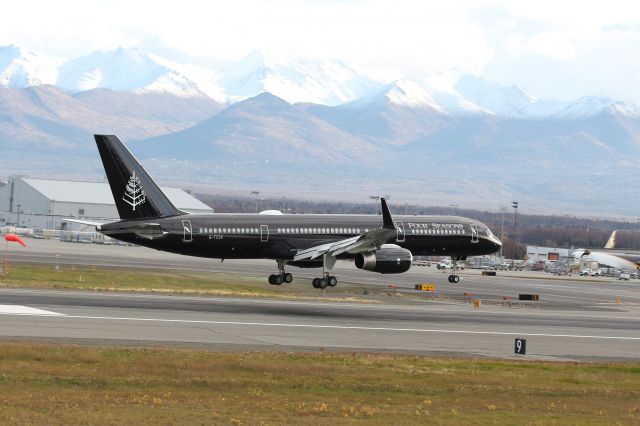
554	49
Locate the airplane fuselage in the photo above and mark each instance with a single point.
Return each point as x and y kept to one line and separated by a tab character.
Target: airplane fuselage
246	236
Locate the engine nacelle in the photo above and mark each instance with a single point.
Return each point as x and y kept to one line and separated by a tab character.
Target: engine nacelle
390	259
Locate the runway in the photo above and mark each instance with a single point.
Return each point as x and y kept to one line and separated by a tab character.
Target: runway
254	324
577	320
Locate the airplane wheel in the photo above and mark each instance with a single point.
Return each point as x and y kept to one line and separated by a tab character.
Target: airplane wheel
315	282
450	278
271	280
322	283
332	281
455	279
287	278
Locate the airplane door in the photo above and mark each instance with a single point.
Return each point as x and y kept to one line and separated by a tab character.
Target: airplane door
474	233
400	233
264	233
188	235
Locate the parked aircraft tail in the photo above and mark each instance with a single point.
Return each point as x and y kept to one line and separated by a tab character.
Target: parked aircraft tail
136	195
611	243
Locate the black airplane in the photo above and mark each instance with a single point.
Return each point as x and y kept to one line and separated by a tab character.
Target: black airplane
376	243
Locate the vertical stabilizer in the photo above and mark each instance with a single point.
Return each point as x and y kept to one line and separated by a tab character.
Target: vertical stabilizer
136	195
611	243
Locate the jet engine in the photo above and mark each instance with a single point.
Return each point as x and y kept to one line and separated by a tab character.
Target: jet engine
390	259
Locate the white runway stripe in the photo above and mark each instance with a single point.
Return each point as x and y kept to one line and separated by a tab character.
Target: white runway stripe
25	310
347	327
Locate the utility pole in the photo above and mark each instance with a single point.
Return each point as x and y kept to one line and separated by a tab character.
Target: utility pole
377	198
515	237
256	193
503	209
18	205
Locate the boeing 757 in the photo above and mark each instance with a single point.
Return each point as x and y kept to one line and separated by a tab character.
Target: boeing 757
382	244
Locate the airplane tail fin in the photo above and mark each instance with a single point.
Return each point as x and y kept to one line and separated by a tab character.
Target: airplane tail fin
136	195
611	243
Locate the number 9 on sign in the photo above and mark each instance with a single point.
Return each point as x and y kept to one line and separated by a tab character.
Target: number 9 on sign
521	346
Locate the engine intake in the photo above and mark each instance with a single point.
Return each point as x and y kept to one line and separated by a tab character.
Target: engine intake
390	259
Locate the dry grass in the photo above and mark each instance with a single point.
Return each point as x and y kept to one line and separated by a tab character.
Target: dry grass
47	384
181	282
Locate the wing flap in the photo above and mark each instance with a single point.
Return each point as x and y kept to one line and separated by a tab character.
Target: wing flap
369	241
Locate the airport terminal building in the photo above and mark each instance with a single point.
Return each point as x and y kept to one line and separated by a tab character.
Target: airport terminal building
42	203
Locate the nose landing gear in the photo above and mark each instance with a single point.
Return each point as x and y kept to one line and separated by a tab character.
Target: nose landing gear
454	278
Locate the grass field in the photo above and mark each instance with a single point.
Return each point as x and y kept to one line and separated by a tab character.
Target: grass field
47	384
97	279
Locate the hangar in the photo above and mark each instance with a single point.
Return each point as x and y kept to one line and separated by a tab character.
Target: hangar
41	203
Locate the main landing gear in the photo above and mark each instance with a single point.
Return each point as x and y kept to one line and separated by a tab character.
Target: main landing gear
327	280
281	276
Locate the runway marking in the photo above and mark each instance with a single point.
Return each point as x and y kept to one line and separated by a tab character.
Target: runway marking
25	310
339	327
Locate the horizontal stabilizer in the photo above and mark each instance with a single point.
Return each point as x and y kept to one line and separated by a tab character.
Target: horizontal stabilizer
83	222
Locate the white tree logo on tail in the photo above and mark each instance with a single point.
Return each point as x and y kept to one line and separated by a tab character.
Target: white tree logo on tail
134	194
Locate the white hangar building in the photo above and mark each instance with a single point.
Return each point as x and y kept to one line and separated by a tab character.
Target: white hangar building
41	203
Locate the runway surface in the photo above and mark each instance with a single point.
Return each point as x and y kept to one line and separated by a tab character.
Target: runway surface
577	319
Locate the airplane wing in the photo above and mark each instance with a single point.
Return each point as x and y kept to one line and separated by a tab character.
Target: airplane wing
369	241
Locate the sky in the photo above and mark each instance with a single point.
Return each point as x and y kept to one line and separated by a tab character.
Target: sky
553	49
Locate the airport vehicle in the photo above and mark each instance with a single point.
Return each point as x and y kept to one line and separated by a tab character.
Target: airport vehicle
376	243
624	276
590	273
448	264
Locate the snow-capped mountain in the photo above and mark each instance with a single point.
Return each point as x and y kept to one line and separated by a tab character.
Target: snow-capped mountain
301	80
124	70
21	68
402	92
323	82
590	106
511	101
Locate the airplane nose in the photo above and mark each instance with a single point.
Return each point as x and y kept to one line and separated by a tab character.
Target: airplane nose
495	243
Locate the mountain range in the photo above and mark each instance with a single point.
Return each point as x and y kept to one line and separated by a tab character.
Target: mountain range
319	127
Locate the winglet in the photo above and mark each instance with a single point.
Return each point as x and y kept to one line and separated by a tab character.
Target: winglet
387	221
